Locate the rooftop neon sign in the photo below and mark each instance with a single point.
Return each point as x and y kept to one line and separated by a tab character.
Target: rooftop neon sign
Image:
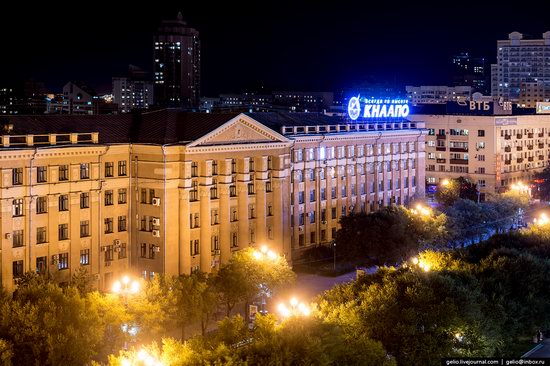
377	108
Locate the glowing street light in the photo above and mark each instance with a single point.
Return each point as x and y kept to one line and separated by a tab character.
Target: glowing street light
124	288
542	220
264	253
445	182
421	210
296	308
520	187
423	265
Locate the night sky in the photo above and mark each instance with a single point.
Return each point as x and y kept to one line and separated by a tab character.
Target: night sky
280	45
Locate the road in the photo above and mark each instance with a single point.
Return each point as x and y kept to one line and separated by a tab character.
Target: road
543	352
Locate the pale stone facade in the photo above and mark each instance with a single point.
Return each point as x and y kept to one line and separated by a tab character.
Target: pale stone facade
149	208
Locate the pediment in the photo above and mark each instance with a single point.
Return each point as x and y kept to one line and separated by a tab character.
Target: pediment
241	129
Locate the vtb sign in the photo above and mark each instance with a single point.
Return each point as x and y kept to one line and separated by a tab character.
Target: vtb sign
362	108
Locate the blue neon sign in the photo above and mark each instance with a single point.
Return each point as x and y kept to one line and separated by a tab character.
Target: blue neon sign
377	108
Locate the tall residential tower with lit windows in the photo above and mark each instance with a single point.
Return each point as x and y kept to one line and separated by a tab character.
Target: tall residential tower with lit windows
176	64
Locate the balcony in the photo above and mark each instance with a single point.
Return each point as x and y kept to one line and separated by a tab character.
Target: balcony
440	137
507	162
541	157
529	147
458	149
530	135
520	160
519	148
530	158
507	137
541	145
459	161
541	134
440	148
441	161
508	148
519	135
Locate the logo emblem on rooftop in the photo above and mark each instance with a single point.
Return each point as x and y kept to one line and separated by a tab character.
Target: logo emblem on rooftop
354	108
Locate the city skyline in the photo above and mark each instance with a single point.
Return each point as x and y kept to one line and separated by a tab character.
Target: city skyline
280	46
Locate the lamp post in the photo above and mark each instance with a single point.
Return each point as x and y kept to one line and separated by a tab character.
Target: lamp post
296	308
142	358
267	256
124	288
334	252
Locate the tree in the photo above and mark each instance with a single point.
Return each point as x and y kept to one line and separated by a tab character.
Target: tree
467	220
243	276
389	235
450	190
82	280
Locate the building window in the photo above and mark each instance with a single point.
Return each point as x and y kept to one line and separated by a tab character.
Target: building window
41	264
63	172
333	213
41	174
269	210
214	217
109	169
109	197
270	232
333	192
194	169
17	269
312	217
122	195
122	223
481	170
122	251
17	176
109	253
18	238
84	228
250	188
215	242
85	257
232	191
143	195
194	247
63	261
233	166
63	231
268	187
215	167
152	251
122	171
251	165
251	211
214	192
312	237
312	195
64	202
41	205
480	133
151	196
108	225
234	240
85	200
41	235
17	207
84	171
143	250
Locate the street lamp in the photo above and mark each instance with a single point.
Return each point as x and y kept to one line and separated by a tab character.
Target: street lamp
268	256
423	265
296	308
542	220
126	287
421	210
445	182
143	358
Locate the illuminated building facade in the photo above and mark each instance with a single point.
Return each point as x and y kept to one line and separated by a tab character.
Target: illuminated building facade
173	192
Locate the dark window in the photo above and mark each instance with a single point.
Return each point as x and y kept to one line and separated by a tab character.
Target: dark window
108	225
84	228
85	200
109	251
63	172
122	251
194	247
109	197
17	176
268	186
63	231
122	195
84	171
41	235
143	195
122	223
480	133
214	192
63	261
215	167
41	174
18	238
109	169
41	205
250	188
17	269
143	252
234	240
84	257
122	171
152	250
194	169
64	202
232	191
41	264
151	196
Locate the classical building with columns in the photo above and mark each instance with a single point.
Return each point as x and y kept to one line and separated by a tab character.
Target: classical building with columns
174	192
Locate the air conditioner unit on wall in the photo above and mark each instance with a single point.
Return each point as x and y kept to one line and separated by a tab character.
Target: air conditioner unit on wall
156	233
104	249
8	236
116	242
156	201
156	248
156	221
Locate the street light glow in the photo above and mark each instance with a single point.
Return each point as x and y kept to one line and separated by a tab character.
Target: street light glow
415	261
117	287
272	255
542	220
445	182
135	287
294	301
297	308
125	280
257	255
264	249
